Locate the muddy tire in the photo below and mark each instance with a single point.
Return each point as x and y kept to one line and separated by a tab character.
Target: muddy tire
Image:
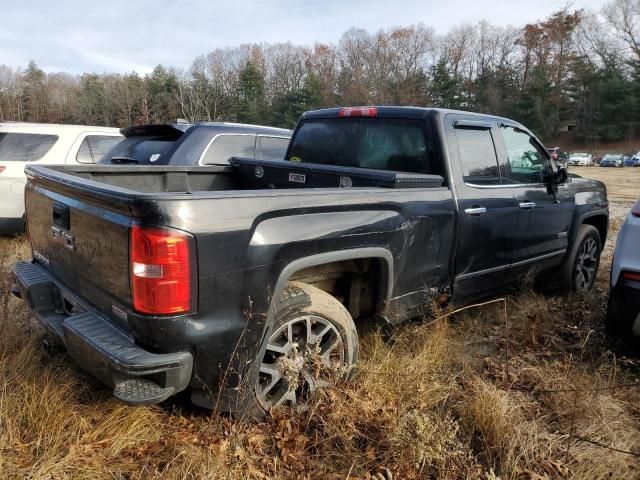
580	267
312	343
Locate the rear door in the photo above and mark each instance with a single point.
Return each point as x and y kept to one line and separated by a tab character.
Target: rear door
544	218
271	147
487	210
226	145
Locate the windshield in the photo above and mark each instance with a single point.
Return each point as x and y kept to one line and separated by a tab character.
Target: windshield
140	149
611	157
579	155
401	145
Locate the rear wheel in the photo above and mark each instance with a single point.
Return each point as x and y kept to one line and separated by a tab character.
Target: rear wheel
313	341
580	266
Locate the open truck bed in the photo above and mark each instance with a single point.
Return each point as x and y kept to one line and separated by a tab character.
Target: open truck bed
242	174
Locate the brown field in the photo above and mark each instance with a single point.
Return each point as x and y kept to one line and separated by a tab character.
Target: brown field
623	184
444	398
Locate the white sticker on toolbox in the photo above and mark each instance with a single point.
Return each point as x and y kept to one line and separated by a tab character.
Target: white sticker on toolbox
297	177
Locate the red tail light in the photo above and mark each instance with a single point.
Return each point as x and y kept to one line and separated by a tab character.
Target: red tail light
358	112
160	270
631	276
2	169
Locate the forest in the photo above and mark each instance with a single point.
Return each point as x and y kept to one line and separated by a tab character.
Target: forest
575	71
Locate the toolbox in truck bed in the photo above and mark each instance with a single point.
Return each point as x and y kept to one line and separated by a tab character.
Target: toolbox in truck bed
287	174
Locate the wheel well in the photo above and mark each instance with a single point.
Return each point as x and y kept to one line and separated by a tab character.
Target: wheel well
600	222
358	284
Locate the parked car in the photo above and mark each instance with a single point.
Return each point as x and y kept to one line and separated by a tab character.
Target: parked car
627	161
612	160
580	159
187	144
636	159
30	143
623	315
242	282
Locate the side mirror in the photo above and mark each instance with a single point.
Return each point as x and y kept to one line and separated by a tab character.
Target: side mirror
561	175
556	174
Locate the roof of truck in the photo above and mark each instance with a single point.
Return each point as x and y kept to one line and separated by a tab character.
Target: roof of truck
389	111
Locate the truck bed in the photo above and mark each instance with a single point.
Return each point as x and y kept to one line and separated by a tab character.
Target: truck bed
243	174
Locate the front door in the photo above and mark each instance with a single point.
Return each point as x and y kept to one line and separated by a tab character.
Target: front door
487	210
544	216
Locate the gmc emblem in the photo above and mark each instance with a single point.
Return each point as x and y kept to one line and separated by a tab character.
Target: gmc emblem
65	238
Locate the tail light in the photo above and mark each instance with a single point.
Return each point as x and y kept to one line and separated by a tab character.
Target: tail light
631	276
161	270
2	168
358	112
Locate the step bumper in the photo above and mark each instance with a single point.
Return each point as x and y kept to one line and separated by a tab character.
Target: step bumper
99	347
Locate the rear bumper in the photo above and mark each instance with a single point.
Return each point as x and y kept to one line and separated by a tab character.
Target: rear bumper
624	307
137	375
11	226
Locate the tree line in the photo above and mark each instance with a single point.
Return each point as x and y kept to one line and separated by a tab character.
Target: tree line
574	70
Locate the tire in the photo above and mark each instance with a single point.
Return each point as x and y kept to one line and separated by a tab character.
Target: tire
312	342
580	266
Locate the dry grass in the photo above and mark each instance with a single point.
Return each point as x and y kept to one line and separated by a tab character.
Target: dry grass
623	184
436	400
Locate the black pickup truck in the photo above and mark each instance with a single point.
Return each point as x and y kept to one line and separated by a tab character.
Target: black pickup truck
243	283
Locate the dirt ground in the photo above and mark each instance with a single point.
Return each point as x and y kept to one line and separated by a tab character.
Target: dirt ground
623	185
523	388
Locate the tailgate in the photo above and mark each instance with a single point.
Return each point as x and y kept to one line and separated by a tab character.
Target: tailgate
81	238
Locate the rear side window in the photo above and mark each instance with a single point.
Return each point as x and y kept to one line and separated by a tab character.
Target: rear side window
400	145
223	147
478	156
84	153
25	147
271	148
94	147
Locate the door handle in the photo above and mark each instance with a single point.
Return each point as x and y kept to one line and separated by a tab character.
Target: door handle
475	211
527	205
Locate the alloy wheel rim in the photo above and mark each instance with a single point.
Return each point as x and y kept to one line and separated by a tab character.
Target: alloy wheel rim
299	358
586	265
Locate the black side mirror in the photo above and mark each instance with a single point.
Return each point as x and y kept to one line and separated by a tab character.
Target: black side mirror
561	175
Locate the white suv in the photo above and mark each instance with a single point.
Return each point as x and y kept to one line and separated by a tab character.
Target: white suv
22	143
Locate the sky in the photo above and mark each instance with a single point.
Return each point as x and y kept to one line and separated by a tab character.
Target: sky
126	35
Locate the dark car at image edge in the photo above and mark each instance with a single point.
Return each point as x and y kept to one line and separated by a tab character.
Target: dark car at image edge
243	283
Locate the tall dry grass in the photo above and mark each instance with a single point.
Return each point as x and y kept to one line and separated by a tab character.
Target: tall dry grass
436	400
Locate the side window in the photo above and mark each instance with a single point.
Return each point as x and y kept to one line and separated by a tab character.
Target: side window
94	147
224	147
478	156
526	161
101	144
84	152
25	147
271	148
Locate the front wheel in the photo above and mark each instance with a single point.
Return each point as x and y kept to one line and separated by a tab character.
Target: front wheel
313	341
580	267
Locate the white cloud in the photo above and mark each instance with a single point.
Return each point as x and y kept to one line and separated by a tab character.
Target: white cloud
125	35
